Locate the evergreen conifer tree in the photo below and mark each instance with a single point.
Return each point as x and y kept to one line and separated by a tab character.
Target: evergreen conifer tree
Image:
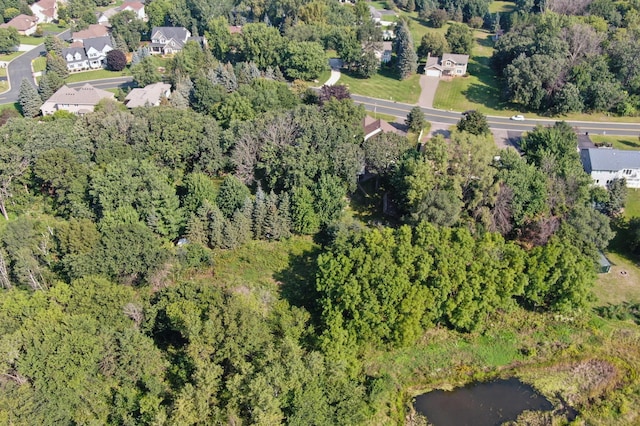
29	99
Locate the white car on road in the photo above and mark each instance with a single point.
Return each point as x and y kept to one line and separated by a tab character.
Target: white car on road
517	117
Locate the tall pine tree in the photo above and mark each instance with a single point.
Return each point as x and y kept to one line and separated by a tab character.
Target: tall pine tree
407	57
30	101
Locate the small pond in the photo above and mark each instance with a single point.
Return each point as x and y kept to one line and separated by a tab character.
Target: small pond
480	404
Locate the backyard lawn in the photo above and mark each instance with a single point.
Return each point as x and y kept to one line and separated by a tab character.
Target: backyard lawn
384	85
31	40
632	206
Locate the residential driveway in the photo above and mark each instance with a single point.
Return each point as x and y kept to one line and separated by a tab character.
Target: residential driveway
335	65
428	86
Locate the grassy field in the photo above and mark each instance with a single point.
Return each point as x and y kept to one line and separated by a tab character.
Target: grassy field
95	75
621	284
39	64
52	28
384	85
617	142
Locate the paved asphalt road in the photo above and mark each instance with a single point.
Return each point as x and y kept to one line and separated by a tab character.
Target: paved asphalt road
20	68
397	109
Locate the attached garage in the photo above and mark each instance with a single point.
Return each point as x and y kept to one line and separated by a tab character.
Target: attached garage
433	72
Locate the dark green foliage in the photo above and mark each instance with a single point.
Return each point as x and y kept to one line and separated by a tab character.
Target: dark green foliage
438	18
304	219
141	186
304	60
617	191
145	72
415	120
383	151
56	65
9	39
474	122
434	44
125	25
407	57
460	39
232	195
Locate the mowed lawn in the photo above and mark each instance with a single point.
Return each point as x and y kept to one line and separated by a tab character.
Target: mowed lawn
621	284
96	75
384	85
618	142
480	89
632	206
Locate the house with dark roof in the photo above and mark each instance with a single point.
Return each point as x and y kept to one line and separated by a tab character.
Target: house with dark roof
451	65
373	126
79	100
45	10
170	40
24	24
76	58
604	165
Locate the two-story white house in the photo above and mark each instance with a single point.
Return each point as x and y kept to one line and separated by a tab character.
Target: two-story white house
97	49
604	165
87	54
170	40
451	65
136	7
76	58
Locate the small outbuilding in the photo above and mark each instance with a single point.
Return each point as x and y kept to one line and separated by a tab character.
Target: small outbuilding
604	266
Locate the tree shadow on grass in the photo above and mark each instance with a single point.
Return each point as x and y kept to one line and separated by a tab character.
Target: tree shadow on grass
630	144
486	41
298	282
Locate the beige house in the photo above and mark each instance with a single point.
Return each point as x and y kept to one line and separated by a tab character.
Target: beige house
150	95
45	10
135	7
451	65
373	126
25	24
78	101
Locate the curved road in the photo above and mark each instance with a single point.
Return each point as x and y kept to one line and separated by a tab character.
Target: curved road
20	68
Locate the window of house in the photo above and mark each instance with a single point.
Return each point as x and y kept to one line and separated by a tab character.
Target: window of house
627	172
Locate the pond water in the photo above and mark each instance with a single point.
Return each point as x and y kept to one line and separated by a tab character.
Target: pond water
481	404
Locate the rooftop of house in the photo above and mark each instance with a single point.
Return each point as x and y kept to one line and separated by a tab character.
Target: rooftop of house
458	59
148	95
73	50
613	160
98	43
85	95
387	45
48	7
235	29
176	33
133	5
94	30
21	22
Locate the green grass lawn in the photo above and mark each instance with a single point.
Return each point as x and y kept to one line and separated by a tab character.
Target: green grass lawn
632	206
617	142
3	72
96	75
621	284
479	90
52	28
384	85
501	6
10	56
39	64
31	40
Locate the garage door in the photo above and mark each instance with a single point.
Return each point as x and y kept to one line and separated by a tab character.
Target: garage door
433	73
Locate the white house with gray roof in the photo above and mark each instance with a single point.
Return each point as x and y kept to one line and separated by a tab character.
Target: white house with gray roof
604	165
87	54
170	40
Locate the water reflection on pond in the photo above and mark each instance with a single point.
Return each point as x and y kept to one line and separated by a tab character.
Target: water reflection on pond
481	404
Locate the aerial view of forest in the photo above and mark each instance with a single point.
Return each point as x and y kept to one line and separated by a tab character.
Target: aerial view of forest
245	251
